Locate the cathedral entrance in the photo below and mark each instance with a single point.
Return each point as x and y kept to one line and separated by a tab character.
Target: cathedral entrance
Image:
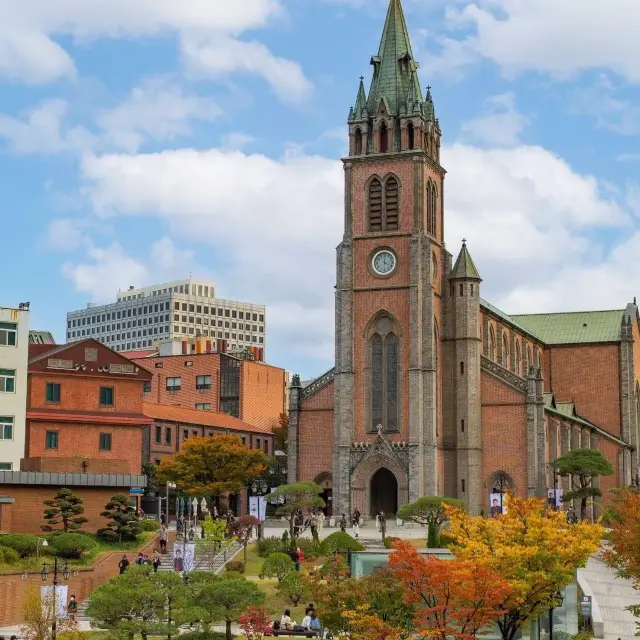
384	492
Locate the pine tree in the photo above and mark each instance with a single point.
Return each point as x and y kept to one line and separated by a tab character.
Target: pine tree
124	523
66	508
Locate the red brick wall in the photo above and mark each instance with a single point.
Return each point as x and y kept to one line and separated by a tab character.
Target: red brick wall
610	450
262	393
504	434
75	465
25	514
78	439
316	434
590	376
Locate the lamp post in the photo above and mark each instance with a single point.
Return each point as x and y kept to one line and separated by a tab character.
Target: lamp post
556	603
259	489
43	575
500	484
40	542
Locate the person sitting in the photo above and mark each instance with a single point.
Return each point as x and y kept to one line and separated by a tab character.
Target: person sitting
306	621
286	623
314	625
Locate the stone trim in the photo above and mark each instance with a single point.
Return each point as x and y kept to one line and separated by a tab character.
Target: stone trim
503	374
318	384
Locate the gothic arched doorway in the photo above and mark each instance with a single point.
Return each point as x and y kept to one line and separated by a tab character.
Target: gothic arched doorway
384	492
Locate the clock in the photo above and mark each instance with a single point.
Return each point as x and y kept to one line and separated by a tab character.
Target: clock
383	262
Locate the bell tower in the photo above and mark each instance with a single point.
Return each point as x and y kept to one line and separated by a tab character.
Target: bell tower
387	384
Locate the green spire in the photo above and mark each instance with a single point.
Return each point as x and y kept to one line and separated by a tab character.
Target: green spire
361	101
394	68
464	267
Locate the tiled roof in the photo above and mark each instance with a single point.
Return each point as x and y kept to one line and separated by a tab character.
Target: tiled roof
577	327
132	355
36	349
510	319
184	415
464	266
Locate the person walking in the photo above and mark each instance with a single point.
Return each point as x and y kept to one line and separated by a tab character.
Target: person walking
355	521
123	565
343	523
156	560
383	524
72	607
164	536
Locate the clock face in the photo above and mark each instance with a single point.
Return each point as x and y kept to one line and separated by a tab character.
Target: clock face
384	262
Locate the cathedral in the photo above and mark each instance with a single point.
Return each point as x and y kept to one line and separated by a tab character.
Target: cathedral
435	391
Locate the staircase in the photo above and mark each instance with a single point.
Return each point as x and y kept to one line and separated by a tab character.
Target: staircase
610	596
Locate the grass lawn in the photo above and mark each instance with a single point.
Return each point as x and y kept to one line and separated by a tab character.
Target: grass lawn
276	604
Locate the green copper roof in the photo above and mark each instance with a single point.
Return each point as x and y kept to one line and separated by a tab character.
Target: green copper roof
464	267
501	314
391	79
574	327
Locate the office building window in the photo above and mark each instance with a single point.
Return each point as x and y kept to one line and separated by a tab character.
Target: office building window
174	384
51	440
8	334
203	382
53	392
7	380
6	466
6	428
106	396
105	442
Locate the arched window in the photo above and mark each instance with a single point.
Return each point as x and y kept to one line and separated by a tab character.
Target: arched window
391	204
492	344
411	136
375	205
357	142
434	268
539	359
505	350
385	376
518	360
436	351
431	208
529	360
384	138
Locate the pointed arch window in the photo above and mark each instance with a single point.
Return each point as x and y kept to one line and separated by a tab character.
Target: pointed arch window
384	204
385	376
518	360
391	204
529	361
411	136
505	350
375	205
432	196
357	142
492	344
539	359
384	138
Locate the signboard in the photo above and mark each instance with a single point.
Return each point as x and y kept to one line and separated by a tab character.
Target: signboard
136	491
258	507
585	606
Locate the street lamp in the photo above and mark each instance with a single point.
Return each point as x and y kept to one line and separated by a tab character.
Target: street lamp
40	542
43	575
556	603
259	488
501	483
555	485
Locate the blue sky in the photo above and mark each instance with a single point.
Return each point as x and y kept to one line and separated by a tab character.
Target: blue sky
142	141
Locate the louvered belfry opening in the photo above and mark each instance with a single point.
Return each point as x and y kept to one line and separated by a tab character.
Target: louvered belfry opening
375	205
357	146
391	204
410	136
384	138
431	208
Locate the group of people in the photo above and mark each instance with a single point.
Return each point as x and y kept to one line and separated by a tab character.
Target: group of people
310	622
141	558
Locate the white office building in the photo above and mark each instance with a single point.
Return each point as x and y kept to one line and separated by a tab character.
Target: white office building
143	318
14	362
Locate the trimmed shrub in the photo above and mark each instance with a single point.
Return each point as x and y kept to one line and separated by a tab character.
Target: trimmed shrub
277	564
389	541
22	543
203	635
310	548
267	546
339	542
149	525
71	545
8	556
236	566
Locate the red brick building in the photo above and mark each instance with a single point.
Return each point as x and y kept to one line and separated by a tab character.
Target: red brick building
434	390
251	391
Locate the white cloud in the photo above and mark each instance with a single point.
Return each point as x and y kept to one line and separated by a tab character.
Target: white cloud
66	234
275	223
236	141
500	125
559	37
157	110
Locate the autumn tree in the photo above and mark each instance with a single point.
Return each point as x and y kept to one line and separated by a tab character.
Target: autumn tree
66	509
535	550
212	466
242	529
583	466
364	624
280	432
430	512
124	522
255	623
39	616
292	587
623	552
299	496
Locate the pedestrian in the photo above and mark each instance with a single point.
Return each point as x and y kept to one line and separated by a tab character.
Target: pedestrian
293	554
320	522
343	523
163	519
300	558
123	565
164	534
355	521
314	527
383	524
72	607
140	558
156	560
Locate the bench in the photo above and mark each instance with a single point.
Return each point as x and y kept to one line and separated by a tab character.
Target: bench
302	634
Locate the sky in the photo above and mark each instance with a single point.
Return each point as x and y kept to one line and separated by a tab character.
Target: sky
145	140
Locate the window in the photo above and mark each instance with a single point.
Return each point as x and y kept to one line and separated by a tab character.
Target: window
174	384
505	351
53	392
203	382
517	365
463	485
8	334
167	435
391	204
244	441
432	195
384	376
51	440
147	387
6	466
462	368
6	428
411	136
266	446
185	434
105	442
258	444
492	344
357	142
7	380
158	435
462	425
106	396
384	138
203	406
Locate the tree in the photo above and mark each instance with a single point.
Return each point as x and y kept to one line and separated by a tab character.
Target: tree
124	523
385	597
242	529
299	496
256	623
430	512
453	598
292	587
280	431
583	466
216	539
39	615
229	598
339	542
212	466
535	550
66	508
277	564
366	625
151	471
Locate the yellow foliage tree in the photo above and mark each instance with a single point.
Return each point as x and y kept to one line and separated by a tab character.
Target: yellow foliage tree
39	617
537	551
363	624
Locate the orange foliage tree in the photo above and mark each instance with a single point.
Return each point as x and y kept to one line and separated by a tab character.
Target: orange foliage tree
623	554
455	598
365	625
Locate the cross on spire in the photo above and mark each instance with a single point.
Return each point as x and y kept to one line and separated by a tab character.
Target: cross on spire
428	87
464	241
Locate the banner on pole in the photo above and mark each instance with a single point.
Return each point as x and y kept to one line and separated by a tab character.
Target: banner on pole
47	599
184	556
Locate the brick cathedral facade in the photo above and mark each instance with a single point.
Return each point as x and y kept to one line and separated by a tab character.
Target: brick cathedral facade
434	390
